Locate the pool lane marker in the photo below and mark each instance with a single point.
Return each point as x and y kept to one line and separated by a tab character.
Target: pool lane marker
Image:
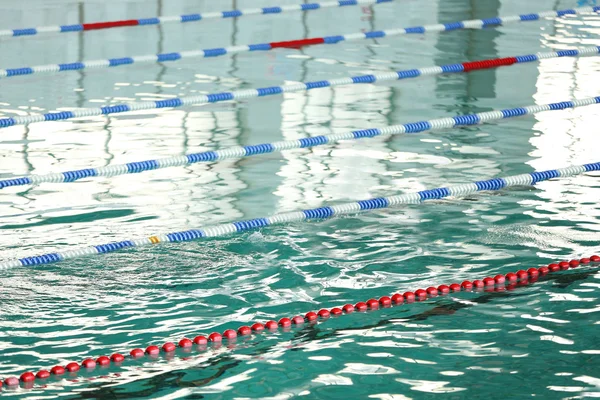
252	150
200	343
167	19
324	212
294	44
246	94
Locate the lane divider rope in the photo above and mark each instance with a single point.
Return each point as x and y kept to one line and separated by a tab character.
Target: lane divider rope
295	87
201	343
215	52
253	150
166	19
324	212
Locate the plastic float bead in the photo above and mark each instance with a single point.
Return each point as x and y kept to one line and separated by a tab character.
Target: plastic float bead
311	316
12	381
117	358
443	289
574	263
521	275
152	350
533	272
563	265
215	337
72	367
285	322
431	291
103	361
244	330
257	327
27	377
585	261
409	297
489	281
554	267
385	301
42	374
88	363
372	304
420	294
271	325
455	287
229	334
200	340
360	306
466	285
543	271
348	308
499	279
595	258
337	311
0	384
185	342
297	320
168	347
324	313
136	353
397	298
477	284
57	370
511	277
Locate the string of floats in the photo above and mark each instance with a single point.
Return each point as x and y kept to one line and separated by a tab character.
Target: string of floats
252	150
201	343
215	52
293	87
324	212
195	17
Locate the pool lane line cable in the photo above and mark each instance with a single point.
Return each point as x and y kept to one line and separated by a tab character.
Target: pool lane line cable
167	19
324	212
201	343
221	51
294	87
252	150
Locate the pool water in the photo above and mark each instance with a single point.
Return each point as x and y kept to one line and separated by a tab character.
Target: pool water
536	341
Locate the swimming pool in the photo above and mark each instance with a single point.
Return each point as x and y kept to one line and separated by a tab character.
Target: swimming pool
534	340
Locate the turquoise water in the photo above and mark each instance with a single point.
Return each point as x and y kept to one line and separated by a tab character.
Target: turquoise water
540	340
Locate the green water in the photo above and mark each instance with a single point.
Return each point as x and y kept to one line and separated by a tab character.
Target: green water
535	341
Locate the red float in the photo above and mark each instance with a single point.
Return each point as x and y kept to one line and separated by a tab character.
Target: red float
312	316
169	347
27	377
215	337
385	301
244	330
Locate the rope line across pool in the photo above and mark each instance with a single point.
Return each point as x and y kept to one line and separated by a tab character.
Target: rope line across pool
304	215
200	343
174	56
252	150
166	19
293	87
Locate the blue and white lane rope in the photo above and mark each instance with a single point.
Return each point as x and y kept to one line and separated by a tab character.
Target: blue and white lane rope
163	57
251	150
293	87
304	215
160	20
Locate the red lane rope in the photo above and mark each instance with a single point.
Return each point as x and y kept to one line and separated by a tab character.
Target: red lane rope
484	64
111	24
297	44
507	281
